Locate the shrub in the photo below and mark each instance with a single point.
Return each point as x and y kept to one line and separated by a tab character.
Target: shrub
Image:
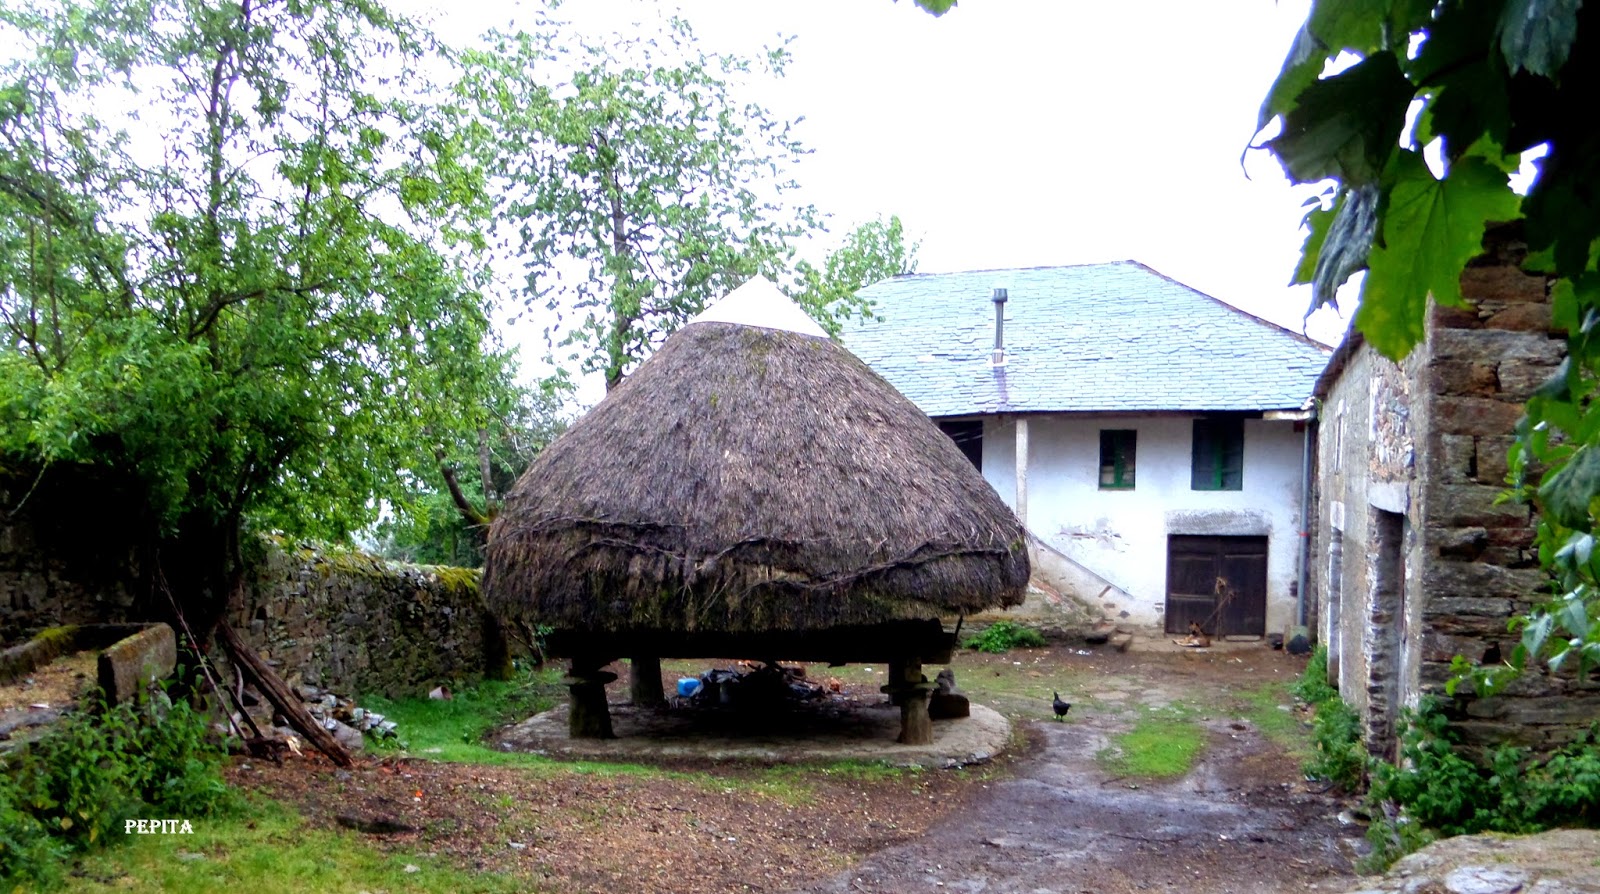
1004	636
71	788
1337	754
1438	791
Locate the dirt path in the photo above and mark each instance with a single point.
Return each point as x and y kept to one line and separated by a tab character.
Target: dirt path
1241	821
1049	817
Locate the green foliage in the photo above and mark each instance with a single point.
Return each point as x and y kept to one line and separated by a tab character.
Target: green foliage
72	789
272	311
1337	754
1487	81
872	252
1313	687
1003	636
1437	791
453	729
446	522
635	183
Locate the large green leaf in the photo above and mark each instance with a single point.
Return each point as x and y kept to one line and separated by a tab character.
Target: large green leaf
1345	248
1306	58
1567	493
1345	126
1431	229
1537	35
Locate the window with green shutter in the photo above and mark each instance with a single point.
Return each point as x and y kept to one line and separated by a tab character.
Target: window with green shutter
1116	458
1218	455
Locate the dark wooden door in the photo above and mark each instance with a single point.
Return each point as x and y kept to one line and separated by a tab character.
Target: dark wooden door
1218	582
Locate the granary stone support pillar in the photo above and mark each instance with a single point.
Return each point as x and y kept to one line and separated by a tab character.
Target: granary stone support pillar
644	681
909	689
589	717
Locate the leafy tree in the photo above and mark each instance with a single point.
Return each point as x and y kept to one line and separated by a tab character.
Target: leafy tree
231	266
447	521
1486	80
873	251
635	186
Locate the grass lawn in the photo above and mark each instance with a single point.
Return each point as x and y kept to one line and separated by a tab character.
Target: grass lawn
268	851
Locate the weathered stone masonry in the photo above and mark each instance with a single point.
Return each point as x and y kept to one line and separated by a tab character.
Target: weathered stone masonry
1420	563
337	619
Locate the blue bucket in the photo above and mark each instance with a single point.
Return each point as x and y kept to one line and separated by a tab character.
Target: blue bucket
688	686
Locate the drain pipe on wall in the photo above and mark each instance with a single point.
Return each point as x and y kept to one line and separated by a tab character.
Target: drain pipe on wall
1307	467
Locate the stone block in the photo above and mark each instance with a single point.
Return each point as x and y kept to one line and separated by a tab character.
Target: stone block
1522	317
1483	628
1442	647
1520	379
1491	733
1503	283
1491	459
1463	377
131	664
1475	415
1472	505
948	705
1496	346
1446	580
1462	544
1446	317
1567	710
1452	458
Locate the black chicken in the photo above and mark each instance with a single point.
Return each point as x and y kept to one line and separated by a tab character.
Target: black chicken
1061	707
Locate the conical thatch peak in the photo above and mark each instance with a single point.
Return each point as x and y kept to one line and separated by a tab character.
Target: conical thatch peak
751	480
760	303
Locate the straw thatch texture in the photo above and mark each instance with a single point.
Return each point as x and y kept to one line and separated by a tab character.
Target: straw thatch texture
749	480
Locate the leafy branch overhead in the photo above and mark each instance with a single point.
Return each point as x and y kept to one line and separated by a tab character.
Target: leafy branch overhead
1415	112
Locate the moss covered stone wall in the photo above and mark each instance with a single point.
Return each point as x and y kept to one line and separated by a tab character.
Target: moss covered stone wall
355	623
338	619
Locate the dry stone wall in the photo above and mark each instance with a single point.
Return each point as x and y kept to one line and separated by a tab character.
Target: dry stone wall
354	623
338	620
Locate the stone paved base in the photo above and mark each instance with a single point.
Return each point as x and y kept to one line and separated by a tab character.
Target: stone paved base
837	730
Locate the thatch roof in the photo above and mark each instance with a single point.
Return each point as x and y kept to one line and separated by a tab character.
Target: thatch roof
751	480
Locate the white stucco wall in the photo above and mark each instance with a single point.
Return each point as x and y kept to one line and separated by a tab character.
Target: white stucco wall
1122	534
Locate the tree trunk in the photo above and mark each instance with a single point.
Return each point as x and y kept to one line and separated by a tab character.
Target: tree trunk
272	686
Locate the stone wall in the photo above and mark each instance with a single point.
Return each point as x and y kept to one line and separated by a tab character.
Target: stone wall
357	624
1482	569
66	555
340	620
1419	561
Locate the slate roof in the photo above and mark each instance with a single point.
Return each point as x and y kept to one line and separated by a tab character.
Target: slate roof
1113	337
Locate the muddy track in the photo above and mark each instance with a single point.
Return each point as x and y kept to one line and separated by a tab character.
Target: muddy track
1240	822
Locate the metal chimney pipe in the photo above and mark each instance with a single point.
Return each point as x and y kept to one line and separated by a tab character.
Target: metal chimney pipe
999	357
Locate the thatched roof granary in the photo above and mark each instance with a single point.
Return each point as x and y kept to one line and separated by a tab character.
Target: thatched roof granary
757	492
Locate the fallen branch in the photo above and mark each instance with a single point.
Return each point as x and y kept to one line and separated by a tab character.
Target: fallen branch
268	682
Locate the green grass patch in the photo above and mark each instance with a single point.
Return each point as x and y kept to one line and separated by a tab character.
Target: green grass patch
1003	636
453	729
1163	744
270	851
1270	709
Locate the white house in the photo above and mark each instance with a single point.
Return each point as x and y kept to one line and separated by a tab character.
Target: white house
1152	438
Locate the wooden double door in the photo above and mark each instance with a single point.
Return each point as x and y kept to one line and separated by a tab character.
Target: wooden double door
1219	583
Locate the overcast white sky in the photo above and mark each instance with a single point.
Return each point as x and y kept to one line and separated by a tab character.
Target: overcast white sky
1021	133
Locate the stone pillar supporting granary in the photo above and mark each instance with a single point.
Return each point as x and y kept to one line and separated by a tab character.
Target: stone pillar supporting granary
1420	560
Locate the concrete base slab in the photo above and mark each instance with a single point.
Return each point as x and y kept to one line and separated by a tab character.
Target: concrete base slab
830	732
